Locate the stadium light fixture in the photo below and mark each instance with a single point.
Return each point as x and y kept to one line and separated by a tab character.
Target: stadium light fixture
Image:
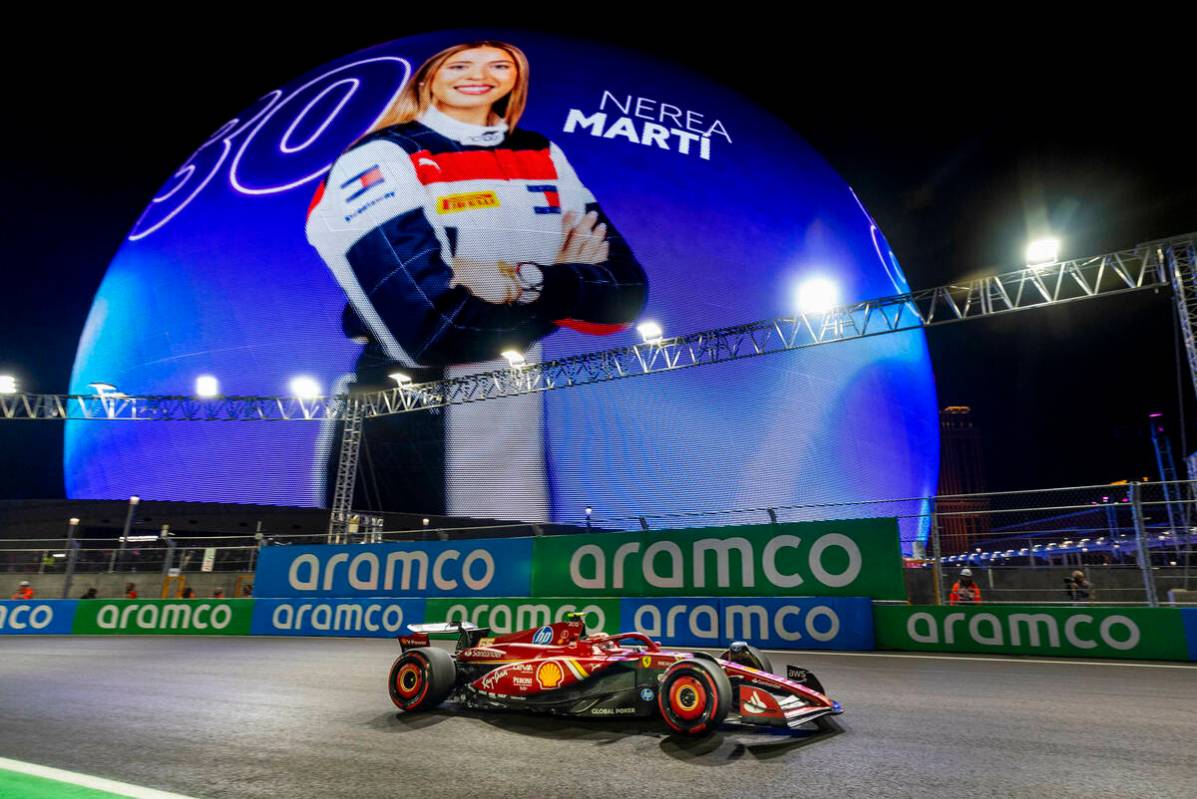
8	384
1043	251
102	389
304	387
207	387
400	378
651	332
818	295
515	358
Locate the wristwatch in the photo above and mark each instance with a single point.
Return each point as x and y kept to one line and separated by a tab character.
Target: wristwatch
530	279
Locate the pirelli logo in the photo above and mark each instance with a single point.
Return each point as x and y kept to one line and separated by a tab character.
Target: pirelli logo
452	203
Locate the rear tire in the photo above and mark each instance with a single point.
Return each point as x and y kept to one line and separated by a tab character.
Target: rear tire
695	697
421	679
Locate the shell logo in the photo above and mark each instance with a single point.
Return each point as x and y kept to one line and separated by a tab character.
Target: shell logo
549	675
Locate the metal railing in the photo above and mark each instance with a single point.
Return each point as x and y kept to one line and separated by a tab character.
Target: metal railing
1133	543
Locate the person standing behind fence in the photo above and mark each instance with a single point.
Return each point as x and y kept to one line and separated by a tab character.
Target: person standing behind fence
1079	589
24	591
964	590
130	591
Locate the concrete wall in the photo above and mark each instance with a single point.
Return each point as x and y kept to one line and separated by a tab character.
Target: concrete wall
1046	584
149	584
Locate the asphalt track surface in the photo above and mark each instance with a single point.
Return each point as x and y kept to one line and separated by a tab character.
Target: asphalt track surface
299	718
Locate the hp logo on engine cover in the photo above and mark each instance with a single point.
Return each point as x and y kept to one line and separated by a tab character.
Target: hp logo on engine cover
543	636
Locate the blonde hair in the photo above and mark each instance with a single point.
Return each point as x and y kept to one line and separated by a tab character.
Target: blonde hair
416	96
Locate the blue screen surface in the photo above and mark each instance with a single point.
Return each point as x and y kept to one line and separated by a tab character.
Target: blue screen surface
725	210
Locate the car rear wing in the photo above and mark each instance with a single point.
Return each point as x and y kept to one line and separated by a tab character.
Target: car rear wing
468	634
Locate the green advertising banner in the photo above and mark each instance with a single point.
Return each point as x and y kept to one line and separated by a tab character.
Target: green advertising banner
508	615
164	617
1146	633
855	557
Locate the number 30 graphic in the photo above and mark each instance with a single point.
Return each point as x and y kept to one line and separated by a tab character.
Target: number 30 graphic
285	142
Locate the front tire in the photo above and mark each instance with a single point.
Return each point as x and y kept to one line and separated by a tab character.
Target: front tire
421	679
695	697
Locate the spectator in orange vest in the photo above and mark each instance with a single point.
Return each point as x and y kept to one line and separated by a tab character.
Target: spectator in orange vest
964	590
130	591
188	593
218	593
24	591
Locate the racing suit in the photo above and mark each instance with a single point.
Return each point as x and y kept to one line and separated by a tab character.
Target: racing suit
397	212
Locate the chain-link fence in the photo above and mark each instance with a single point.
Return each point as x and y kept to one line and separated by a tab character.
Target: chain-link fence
1114	544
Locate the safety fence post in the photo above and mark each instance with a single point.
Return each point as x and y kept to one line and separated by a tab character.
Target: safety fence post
936	554
1144	554
169	559
118	552
71	559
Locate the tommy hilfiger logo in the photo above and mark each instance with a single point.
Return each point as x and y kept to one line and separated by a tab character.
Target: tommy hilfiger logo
551	196
362	182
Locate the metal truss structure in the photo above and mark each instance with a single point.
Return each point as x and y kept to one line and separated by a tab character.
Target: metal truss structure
1169	262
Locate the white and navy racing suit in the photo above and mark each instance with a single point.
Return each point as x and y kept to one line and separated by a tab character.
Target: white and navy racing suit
396	211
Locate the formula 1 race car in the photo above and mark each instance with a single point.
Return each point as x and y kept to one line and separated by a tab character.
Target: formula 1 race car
559	669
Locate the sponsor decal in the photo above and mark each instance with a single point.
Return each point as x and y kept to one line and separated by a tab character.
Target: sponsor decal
379	618
791	622
453	203
543	636
435	568
486	641
549	675
646	661
53	617
164	616
552	198
647	694
483	653
857	557
1153	633
362	182
758	703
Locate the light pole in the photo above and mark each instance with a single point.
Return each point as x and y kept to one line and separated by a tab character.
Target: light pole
133	501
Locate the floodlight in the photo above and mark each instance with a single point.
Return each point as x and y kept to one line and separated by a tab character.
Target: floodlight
1043	251
818	295
650	331
514	357
304	387
207	387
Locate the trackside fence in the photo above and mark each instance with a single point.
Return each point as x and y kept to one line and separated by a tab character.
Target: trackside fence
1133	545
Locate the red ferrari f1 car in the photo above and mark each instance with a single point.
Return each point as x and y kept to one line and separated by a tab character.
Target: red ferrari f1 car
559	669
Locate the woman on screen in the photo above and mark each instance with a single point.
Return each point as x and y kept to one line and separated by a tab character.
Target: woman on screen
458	235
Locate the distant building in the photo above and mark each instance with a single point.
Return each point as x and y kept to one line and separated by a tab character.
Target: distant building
963	519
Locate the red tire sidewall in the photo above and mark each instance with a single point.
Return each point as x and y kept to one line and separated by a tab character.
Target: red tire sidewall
410	664
672	700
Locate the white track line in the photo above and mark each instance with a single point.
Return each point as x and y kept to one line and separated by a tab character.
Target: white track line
979	658
87	781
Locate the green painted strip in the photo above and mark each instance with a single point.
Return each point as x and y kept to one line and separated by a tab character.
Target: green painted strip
23	786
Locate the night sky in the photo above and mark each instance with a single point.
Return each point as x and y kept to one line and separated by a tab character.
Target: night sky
960	150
